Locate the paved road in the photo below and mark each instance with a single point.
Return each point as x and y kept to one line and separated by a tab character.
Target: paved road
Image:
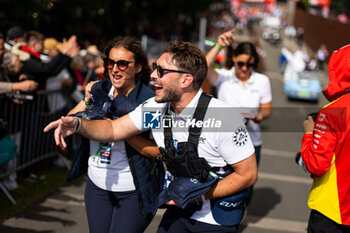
280	196
279	201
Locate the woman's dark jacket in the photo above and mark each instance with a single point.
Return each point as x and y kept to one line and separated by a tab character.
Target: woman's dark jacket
148	185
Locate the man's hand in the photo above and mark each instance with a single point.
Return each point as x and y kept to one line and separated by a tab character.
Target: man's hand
308	125
171	202
70	47
22	77
26	85
64	127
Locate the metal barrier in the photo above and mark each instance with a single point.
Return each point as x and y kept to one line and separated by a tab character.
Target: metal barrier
26	121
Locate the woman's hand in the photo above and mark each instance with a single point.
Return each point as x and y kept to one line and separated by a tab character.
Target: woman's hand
258	117
226	38
88	91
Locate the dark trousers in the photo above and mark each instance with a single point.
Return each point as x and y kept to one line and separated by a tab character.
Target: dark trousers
318	223
110	212
257	156
175	221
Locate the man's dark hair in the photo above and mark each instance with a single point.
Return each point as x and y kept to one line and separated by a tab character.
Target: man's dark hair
188	57
34	35
133	45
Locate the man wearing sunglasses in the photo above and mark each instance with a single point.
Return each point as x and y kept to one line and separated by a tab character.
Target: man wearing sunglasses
178	76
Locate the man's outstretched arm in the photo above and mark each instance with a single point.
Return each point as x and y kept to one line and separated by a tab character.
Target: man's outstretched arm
98	130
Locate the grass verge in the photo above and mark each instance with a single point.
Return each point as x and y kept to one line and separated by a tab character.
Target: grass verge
29	191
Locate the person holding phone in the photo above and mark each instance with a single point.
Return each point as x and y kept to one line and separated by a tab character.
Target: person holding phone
240	86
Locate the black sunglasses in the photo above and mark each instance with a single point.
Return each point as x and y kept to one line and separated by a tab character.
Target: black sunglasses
161	71
121	64
240	64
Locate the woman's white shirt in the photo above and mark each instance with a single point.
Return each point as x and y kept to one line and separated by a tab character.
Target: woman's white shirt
110	170
256	91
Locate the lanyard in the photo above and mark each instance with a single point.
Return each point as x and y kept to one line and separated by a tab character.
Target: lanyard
99	149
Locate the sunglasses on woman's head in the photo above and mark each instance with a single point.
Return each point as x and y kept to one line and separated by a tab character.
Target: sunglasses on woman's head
161	71
121	64
240	64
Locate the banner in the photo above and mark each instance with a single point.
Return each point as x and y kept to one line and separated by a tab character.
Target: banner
323	3
235	3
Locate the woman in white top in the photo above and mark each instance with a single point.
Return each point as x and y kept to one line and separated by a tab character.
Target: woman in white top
240	86
117	183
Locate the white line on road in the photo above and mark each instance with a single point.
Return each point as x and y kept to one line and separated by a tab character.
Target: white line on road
65	202
250	221
279	153
284	178
79	197
275	224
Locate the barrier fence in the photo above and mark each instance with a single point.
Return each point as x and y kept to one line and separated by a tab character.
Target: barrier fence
26	117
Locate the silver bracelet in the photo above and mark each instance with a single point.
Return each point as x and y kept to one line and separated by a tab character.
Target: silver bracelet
79	125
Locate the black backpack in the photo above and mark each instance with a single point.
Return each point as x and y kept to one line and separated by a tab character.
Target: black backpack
184	161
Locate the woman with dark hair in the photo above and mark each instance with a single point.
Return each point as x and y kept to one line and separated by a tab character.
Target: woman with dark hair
240	86
121	190
139	55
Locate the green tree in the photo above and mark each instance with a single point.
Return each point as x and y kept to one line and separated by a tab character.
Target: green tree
95	20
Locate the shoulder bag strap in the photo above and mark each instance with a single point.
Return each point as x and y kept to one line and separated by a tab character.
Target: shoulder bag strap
201	109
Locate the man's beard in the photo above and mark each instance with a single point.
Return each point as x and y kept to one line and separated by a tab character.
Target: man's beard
169	95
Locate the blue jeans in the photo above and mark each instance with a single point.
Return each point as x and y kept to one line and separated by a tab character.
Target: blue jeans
110	212
257	156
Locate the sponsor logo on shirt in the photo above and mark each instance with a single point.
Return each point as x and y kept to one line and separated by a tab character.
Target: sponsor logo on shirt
321	116
240	136
201	140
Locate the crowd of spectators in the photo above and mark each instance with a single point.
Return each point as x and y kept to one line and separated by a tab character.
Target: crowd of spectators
49	64
32	63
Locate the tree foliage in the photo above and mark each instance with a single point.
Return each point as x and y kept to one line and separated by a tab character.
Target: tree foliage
95	20
341	6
